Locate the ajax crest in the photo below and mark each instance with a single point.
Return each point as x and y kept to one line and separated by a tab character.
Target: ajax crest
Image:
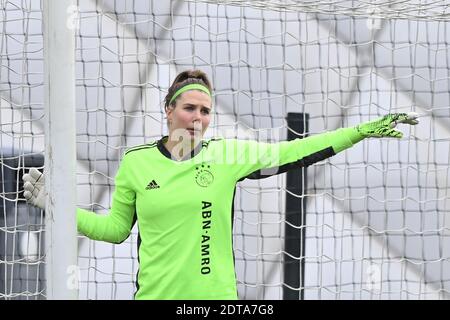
203	176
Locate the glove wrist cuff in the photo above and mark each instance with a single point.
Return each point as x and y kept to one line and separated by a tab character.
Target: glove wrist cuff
356	135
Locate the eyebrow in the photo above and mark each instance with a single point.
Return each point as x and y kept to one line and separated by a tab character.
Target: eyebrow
195	105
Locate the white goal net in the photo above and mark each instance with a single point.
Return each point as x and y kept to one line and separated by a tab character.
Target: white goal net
377	216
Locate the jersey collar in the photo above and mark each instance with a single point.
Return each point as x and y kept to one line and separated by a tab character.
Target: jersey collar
162	148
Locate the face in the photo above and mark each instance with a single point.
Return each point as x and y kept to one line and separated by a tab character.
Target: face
191	115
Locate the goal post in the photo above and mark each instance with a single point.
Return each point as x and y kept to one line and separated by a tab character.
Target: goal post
60	156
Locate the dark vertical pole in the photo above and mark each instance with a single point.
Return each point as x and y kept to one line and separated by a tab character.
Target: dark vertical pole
294	268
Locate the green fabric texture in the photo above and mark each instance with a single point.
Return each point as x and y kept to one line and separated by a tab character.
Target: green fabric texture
184	210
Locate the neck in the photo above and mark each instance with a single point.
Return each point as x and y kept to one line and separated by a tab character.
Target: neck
180	148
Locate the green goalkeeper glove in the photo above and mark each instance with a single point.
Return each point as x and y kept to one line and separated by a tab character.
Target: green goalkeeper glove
34	188
384	127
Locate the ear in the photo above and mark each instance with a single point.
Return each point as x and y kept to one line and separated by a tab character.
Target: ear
169	113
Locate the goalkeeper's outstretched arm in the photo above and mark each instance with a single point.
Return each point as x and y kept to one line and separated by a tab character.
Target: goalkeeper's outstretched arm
276	158
114	227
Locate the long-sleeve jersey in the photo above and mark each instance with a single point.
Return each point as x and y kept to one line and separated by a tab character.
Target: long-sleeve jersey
184	208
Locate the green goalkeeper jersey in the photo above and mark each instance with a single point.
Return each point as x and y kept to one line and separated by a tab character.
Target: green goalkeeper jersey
184	208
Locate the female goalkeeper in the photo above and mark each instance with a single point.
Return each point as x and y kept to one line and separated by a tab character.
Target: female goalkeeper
180	191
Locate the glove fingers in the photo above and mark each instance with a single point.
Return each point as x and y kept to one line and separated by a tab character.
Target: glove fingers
33	176
394	133
28	186
32	189
411	122
27	195
408	118
396	118
33	199
36	174
36	191
412	118
384	127
27	177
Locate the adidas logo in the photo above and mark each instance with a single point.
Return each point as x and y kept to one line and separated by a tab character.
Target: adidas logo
152	185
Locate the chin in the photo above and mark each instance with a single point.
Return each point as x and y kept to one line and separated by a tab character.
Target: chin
197	136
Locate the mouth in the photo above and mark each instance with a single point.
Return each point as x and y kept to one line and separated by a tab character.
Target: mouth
193	131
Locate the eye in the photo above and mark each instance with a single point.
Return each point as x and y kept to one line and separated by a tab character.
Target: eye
190	108
205	111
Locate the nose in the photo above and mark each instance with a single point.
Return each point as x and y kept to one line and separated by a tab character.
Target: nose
197	116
